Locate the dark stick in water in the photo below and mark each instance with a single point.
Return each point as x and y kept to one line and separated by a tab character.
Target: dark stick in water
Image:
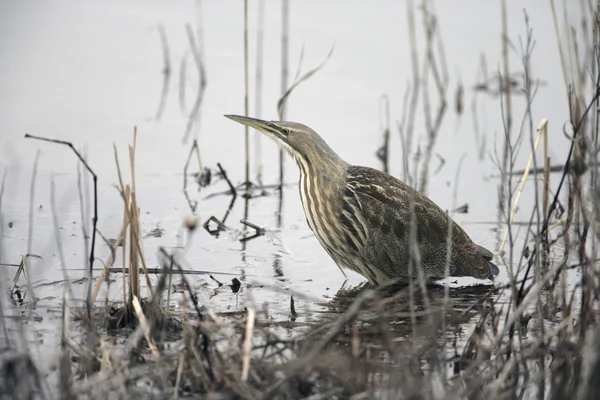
94	219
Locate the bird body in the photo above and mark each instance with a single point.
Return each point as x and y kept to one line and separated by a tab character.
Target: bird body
366	219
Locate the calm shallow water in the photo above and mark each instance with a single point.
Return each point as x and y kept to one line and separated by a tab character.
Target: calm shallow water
87	73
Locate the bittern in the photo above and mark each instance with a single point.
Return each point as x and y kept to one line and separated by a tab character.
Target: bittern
363	217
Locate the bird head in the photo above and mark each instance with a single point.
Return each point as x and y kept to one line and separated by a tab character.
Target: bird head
300	141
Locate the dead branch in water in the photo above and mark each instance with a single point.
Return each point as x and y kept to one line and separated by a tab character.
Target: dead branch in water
95	217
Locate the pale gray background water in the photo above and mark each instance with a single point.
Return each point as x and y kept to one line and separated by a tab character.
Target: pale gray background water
87	72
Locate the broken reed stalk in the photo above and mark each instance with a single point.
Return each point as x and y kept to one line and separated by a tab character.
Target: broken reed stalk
248	342
131	209
246	94
513	210
95	217
133	216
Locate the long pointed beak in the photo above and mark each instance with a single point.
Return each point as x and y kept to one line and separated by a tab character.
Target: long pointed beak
257	124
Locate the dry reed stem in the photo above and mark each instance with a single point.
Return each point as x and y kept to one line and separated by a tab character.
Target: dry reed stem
128	200
126	222
546	194
414	98
431	26
248	343
24	266
532	294
134	278
134	266
543	127
142	318
178	379
285	62
513	210
136	211
258	89
246	96
560	49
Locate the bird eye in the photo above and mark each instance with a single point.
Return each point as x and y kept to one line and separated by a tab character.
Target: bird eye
285	131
